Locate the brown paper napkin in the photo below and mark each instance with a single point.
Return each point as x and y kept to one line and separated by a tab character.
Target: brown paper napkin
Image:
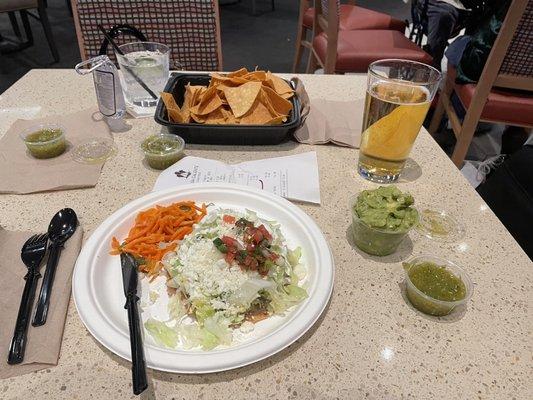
21	173
44	342
327	121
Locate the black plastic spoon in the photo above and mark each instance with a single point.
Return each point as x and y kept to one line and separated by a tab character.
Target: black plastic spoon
61	228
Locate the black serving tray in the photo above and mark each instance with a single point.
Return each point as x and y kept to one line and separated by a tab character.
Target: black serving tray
222	134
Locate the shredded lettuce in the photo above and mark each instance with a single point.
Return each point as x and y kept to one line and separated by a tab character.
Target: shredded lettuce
300	272
219	327
288	296
175	307
162	334
249	291
293	256
202	310
276	272
195	336
173	268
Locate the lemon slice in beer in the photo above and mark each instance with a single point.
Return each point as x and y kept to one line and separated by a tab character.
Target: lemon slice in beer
392	136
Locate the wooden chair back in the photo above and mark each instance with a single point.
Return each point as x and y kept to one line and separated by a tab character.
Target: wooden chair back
516	70
508	66
510	62
327	15
191	28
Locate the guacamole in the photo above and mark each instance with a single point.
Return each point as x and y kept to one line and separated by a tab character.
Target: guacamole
381	219
386	208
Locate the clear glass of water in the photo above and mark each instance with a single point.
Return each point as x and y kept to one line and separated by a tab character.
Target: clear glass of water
149	61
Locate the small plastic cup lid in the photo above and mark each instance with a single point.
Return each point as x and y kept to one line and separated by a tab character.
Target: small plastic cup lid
439	225
95	151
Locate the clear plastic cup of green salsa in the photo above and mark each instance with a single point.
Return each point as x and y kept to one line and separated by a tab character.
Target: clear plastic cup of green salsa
45	140
436	286
380	226
162	150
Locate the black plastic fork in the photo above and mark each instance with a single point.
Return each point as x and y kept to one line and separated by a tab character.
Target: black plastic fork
32	254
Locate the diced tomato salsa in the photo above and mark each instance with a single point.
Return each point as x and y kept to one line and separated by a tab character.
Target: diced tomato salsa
255	251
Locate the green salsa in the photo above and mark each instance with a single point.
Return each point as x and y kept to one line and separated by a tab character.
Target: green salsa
161	151
44	135
381	219
437	282
159	145
46	143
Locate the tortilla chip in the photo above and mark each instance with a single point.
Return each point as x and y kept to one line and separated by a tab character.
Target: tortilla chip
214	115
255	76
280	86
279	104
191	95
217	80
258	115
209	102
241	98
239	72
229	118
168	100
198	118
173	110
276	120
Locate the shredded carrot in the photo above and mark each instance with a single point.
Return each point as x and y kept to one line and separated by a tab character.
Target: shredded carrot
156	232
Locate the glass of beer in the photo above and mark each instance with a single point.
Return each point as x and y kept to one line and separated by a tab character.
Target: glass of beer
398	96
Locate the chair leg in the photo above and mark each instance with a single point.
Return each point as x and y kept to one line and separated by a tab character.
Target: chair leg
273	5
437	115
69	7
312	63
300	36
48	31
465	138
310	60
27	27
14	23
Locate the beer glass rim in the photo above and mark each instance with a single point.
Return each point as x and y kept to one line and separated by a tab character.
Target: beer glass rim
164	47
434	80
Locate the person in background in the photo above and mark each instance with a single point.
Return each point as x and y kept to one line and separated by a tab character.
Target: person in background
445	19
468	53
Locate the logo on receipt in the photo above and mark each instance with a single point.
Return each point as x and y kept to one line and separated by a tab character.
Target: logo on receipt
182	174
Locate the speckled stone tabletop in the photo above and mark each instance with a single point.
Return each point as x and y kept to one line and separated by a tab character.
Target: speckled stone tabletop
369	343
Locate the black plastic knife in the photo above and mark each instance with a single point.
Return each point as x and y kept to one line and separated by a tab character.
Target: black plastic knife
130	280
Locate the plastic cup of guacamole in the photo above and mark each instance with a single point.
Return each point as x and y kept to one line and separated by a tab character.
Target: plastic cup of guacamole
162	150
436	286
381	218
45	140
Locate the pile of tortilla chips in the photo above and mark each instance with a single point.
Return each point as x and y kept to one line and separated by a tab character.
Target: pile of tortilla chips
240	97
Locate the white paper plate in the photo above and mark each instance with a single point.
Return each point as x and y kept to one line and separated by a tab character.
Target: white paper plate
99	298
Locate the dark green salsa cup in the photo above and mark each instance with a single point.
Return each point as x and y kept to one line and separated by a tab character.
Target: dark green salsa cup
378	242
427	304
162	150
